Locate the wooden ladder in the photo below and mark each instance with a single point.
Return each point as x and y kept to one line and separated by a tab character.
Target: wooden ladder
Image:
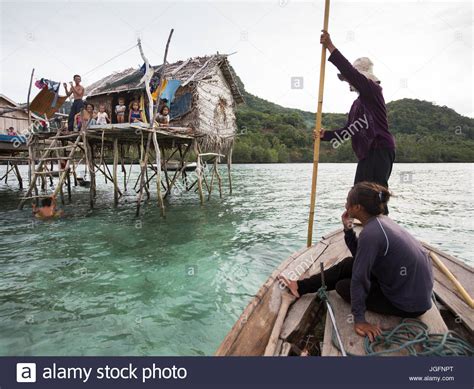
42	169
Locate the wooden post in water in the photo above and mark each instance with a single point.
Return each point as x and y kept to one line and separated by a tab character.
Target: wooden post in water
31	162
124	170
143	164
18	175
317	130
198	171
229	166
116	156
161	203
219	179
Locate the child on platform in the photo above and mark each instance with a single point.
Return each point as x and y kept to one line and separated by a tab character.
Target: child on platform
120	109
102	116
135	115
163	117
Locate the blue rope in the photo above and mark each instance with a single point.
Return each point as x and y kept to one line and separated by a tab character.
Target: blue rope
412	336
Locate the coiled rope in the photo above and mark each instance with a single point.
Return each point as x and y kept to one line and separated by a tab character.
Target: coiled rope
411	336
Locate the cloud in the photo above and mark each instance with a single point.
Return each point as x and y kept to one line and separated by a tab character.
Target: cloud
420	49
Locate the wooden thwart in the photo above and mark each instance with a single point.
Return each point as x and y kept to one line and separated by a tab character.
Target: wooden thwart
353	343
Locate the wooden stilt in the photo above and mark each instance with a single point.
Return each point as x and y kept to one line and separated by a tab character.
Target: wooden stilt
229	167
9	169
68	175
212	181
18	175
219	179
181	171
87	152
124	171
165	170
31	164
203	174
143	164
92	171
31	168
147	183
74	174
108	175
115	179
199	172
68	183
51	177
161	203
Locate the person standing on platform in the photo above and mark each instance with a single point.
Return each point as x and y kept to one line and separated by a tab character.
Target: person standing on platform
77	90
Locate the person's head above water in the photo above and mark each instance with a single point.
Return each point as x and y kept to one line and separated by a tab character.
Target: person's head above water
47	202
367	199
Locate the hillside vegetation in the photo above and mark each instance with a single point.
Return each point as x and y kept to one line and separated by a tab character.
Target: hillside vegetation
424	132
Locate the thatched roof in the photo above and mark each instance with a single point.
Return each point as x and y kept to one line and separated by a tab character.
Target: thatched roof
190	70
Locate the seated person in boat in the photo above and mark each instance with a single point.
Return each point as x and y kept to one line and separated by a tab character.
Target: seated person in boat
389	271
11	131
163	117
135	115
367	124
47	209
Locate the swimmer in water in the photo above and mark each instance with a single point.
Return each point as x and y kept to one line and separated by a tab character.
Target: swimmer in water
47	209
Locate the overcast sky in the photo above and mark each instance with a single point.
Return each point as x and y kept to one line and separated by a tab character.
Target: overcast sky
421	49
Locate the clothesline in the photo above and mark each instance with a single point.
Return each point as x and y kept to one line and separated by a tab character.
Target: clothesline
109	60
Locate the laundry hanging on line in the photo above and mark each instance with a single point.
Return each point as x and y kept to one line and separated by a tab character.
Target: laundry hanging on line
50	85
168	87
168	93
155	93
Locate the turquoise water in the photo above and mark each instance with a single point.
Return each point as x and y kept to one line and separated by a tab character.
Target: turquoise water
105	283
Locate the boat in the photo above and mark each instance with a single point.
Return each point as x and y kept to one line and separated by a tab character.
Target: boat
308	330
12	144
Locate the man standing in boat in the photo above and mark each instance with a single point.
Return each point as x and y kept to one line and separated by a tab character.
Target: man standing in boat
77	91
367	124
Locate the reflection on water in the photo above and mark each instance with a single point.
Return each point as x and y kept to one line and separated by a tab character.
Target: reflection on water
105	283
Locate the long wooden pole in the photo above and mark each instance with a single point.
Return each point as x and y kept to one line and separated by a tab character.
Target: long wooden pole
317	130
31	161
441	266
116	157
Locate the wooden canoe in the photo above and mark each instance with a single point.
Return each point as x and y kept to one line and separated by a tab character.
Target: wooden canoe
250	334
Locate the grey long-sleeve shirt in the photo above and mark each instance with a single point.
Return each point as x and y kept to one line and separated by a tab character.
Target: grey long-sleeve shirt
396	259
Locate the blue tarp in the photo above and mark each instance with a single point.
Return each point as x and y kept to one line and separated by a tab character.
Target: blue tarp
181	106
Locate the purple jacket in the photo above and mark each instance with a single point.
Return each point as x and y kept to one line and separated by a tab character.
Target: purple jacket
387	252
367	124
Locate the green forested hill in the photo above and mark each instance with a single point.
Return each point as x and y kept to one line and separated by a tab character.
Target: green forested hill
424	133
